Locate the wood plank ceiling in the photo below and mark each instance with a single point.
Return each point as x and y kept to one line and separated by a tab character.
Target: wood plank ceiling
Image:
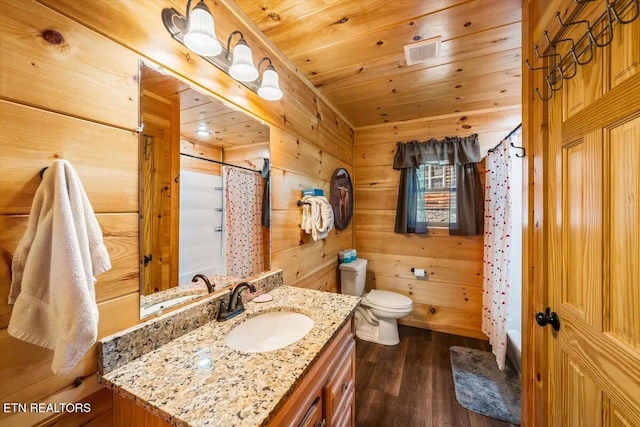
353	52
227	127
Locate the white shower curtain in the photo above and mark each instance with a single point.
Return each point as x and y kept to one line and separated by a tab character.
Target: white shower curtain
497	247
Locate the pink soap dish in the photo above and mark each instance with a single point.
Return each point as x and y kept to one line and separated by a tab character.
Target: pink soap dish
263	298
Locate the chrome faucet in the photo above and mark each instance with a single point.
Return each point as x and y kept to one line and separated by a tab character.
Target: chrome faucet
235	305
210	287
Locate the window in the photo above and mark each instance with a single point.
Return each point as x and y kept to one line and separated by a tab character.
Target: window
438	184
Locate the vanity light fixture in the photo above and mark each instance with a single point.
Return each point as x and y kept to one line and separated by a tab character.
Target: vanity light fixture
242	68
200	30
270	88
196	31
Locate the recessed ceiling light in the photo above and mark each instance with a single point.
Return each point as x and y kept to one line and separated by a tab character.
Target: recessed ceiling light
202	131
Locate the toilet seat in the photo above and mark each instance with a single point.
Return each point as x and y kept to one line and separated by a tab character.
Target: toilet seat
387	300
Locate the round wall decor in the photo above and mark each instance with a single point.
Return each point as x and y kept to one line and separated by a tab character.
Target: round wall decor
341	198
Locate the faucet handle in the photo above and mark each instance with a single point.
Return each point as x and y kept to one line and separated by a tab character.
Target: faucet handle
235	305
239	303
223	311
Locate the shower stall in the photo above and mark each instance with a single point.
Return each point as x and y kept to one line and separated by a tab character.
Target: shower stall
202	226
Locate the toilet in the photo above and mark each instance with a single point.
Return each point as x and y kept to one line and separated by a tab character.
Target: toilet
376	316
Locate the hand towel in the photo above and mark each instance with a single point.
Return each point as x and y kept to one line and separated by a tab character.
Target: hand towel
54	269
317	216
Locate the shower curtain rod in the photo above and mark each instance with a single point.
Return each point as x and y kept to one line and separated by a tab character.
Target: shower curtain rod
491	150
220	163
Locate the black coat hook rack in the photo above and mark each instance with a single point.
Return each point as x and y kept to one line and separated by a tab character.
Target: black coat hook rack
598	33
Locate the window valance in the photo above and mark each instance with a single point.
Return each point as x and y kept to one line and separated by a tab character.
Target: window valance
461	152
452	150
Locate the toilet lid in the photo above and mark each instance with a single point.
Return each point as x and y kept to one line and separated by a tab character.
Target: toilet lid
388	299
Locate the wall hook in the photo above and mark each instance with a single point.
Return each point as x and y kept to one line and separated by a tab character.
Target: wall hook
555	60
552	84
608	29
616	16
571	66
42	171
524	151
569	40
577	56
553	55
526	61
542	98
562	60
545	33
568	24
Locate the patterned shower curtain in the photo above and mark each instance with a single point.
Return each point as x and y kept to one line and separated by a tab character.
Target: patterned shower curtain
497	240
243	203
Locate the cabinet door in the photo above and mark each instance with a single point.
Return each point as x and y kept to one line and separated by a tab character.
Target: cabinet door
313	417
345	413
339	391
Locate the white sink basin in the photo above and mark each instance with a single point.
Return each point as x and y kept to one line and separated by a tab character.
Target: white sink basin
269	331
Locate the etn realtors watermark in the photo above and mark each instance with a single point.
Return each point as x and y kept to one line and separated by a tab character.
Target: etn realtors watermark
42	407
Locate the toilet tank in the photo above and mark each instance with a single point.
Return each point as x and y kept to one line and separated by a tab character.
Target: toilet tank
352	276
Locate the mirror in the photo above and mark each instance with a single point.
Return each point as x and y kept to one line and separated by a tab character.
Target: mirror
204	171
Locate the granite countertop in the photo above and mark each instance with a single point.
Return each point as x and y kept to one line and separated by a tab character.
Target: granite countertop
196	380
196	289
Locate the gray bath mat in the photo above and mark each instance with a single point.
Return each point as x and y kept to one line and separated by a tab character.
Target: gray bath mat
482	387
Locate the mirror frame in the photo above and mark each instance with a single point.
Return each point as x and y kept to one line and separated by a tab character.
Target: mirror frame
145	314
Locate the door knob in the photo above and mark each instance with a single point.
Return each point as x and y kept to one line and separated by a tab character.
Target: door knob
548	318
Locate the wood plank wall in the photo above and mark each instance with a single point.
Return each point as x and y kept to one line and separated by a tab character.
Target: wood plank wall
247	156
450	299
62	101
297	164
78	100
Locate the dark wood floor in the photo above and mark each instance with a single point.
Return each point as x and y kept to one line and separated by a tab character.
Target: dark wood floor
411	384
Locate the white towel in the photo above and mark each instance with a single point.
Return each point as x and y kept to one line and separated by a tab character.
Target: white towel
317	216
54	269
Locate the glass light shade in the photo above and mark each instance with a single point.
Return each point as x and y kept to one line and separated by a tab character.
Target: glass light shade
201	35
242	68
270	88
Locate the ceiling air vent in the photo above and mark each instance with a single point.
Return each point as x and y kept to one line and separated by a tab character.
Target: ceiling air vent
423	51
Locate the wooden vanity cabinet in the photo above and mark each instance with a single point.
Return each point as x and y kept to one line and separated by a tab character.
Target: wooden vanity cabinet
325	396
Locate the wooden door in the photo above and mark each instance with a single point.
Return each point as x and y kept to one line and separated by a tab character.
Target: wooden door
160	169
592	166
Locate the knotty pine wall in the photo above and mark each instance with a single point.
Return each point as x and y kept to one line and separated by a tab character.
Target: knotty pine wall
76	97
450	300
